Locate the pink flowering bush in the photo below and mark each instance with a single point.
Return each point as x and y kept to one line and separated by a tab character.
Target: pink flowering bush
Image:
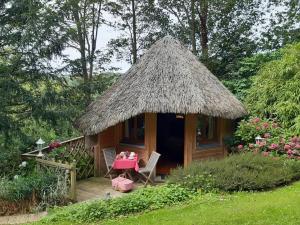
248	130
275	142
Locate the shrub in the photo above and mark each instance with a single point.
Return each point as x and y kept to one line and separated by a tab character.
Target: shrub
240	172
10	160
275	89
22	188
276	142
141	200
249	129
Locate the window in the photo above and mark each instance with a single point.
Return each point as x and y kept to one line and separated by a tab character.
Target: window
134	130
207	132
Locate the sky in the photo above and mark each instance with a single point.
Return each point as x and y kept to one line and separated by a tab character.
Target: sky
105	34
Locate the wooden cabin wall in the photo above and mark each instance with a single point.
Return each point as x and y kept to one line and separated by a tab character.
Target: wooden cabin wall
224	129
111	137
106	139
149	142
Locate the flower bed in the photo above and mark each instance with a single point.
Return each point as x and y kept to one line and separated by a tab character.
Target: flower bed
275	141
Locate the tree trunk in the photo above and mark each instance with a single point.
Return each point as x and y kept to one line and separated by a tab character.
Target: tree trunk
203	28
81	40
82	47
134	44
193	32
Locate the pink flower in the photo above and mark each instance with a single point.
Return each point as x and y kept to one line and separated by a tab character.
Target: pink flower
240	147
287	147
265	125
290	152
265	153
251	145
292	144
267	135
261	144
273	146
294	139
297	146
255	120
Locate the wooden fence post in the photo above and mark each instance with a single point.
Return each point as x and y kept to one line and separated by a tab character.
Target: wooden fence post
73	181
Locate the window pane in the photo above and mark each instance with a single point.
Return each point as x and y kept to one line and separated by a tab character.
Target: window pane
126	129
206	133
140	128
134	130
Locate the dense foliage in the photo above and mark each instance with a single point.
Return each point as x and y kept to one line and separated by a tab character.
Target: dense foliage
24	187
239	80
139	201
240	172
276	89
249	129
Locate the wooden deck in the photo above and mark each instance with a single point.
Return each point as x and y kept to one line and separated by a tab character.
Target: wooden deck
96	188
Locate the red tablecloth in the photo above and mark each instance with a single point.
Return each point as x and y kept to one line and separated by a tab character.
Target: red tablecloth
121	164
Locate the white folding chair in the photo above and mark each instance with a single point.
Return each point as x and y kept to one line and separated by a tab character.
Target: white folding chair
109	157
147	171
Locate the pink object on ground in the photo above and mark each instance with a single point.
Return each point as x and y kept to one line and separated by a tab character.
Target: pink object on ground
121	164
115	182
122	184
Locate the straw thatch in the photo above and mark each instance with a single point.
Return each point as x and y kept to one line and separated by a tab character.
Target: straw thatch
167	79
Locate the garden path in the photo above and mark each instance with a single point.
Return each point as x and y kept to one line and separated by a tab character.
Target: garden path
96	188
19	219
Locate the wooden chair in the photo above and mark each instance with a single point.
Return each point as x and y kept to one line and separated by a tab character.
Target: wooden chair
109	157
147	171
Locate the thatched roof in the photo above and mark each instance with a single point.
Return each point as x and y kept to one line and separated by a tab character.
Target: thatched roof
167	79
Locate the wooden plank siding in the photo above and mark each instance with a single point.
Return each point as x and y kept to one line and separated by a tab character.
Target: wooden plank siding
224	129
112	137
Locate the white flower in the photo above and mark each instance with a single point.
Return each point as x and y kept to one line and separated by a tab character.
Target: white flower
24	164
16	177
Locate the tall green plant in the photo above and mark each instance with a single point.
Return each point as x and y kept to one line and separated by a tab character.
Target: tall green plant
275	92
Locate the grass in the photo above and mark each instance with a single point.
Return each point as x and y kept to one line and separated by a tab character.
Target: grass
280	206
277	207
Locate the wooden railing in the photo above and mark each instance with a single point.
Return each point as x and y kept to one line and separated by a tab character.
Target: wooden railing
78	141
76	149
68	169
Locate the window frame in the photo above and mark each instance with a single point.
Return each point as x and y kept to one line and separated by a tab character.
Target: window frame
132	131
210	144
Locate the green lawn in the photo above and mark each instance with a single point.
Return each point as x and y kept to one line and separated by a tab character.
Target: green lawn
277	207
280	207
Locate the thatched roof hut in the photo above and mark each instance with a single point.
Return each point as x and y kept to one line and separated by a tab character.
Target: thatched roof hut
167	79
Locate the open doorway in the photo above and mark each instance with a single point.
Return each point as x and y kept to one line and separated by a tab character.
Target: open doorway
170	142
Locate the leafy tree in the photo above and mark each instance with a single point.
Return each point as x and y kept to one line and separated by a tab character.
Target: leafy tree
218	31
280	26
140	25
240	81
275	92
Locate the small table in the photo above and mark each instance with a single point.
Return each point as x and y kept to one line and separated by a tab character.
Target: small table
126	165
